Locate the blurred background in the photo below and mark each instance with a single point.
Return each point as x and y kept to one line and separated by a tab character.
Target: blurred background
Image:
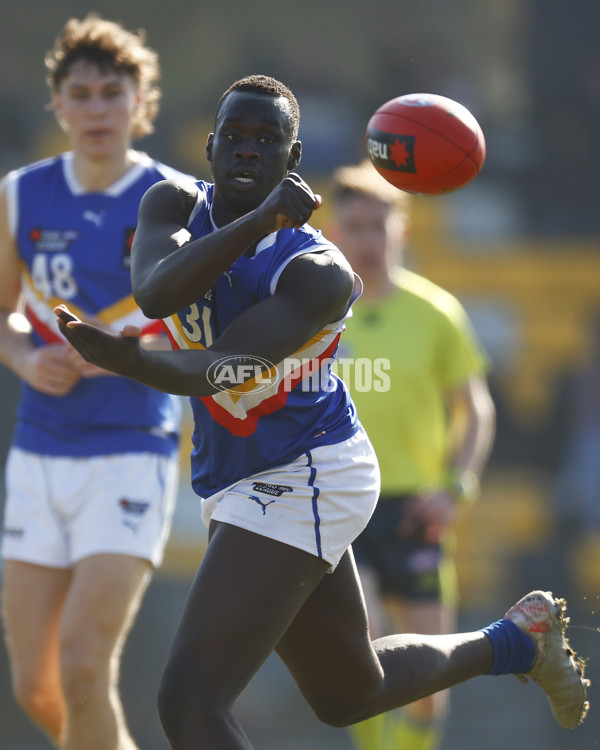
520	247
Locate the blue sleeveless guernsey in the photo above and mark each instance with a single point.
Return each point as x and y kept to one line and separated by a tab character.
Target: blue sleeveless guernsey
74	247
270	419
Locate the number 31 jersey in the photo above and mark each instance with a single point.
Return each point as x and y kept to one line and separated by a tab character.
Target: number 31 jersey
253	423
74	248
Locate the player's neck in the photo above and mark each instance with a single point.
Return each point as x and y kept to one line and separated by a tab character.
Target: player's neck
96	175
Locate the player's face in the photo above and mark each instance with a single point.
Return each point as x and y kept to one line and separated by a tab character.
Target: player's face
370	236
250	152
96	107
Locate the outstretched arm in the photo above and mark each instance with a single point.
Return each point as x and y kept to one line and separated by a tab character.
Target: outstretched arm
178	372
313	291
165	281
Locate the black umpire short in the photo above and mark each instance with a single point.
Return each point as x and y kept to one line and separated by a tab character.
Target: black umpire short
406	567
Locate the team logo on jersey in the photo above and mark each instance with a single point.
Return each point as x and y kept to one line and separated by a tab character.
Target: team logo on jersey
391	151
96	217
127	243
263	506
276	490
52	240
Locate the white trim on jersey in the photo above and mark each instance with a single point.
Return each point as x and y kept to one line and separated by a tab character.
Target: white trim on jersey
143	163
197	206
319	248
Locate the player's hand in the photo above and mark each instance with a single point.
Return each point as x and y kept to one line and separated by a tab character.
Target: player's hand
290	204
118	353
86	369
427	516
49	369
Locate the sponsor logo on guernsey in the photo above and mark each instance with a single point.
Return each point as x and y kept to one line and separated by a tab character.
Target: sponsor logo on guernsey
391	151
276	490
52	240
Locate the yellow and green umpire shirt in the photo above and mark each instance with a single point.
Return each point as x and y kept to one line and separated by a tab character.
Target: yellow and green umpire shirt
399	356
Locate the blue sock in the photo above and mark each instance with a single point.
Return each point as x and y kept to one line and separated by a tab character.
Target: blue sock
514	652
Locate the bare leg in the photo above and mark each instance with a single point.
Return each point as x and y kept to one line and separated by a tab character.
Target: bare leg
432	617
103	600
33	598
418	724
346	678
246	593
252	594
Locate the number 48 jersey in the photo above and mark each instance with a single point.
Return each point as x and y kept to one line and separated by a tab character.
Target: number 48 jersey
74	248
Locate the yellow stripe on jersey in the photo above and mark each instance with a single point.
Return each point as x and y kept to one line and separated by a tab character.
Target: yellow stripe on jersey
43	308
317	337
118	310
114	316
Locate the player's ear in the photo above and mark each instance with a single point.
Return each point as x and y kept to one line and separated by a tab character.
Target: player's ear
209	145
295	156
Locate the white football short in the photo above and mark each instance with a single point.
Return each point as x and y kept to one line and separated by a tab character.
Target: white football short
318	503
62	509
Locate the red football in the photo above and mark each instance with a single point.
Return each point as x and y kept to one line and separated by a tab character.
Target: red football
425	143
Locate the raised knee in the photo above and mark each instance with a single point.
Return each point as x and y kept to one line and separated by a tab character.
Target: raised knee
345	709
337	715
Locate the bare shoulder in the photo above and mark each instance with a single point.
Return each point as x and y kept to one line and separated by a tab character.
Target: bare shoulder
325	278
324	267
168	198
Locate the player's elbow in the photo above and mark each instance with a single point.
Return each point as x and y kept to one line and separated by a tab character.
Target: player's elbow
151	304
150	309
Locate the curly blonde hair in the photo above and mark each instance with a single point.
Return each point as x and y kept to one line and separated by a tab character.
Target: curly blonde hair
110	46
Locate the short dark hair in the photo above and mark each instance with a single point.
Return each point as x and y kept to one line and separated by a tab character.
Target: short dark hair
259	84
